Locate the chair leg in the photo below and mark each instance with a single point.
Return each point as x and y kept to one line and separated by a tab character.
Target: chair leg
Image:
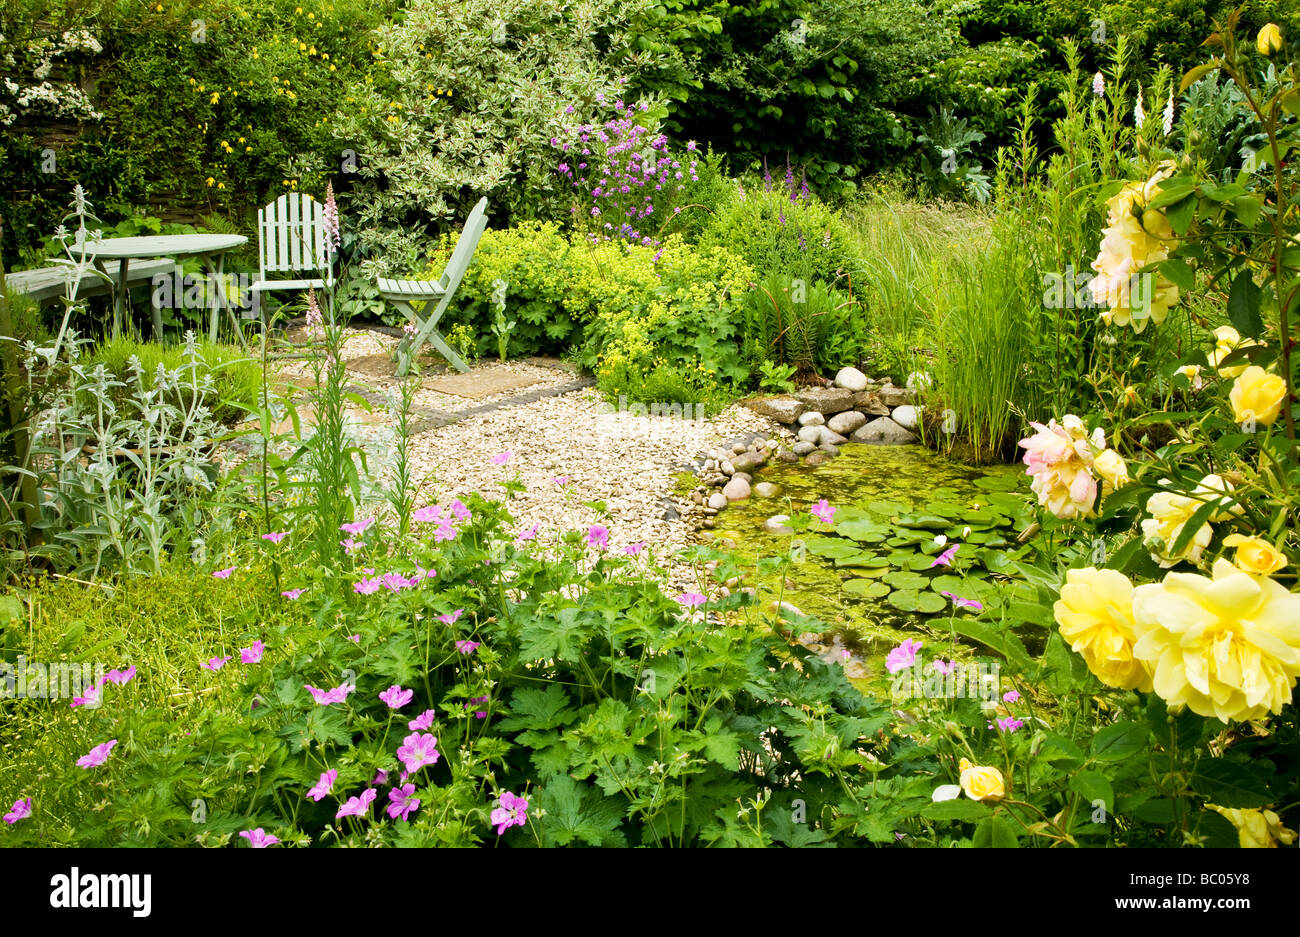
435	339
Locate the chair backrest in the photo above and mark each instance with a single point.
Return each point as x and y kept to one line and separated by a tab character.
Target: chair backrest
291	236
458	263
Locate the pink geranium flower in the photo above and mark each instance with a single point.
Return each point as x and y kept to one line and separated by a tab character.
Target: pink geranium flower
422	721
354	638
467	647
945	558
252	655
97	756
366	586
351	546
259	838
597	536
692	599
91	697
324	785
223	573
903	656
823	511
634	549
395	582
276	536
293	593
357	806
459	511
1009	724
396	697
428	515
959	602
418	750
121	677
444	531
526	535
561	480
22	809
477	699
1011	696
944	668
329	697
215	663
357	528
510	811
501	458
403	802
451	617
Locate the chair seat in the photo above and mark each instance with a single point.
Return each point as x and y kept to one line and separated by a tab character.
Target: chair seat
409	289
262	285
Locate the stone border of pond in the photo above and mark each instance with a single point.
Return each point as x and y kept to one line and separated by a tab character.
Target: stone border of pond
813	423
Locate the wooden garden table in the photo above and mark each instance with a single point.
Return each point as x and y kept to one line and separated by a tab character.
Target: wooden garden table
209	248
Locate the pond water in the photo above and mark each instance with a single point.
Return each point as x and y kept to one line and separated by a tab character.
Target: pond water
877	574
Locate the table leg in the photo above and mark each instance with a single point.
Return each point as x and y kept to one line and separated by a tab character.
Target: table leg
155	312
216	309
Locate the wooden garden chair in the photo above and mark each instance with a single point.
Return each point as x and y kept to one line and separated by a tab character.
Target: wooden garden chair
401	293
291	239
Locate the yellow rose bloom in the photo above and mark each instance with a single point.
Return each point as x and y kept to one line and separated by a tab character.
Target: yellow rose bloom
1257	829
1226	340
1257	395
1226	647
1269	39
1169	512
1095	614
1255	556
981	783
1134	238
1110	465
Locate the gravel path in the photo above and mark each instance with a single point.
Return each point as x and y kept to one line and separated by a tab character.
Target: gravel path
567	448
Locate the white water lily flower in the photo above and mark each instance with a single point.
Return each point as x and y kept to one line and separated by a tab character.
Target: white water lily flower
941	539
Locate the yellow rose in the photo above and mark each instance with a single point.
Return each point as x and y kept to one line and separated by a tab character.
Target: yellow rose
1193	374
1254	555
1227	646
1135	237
1169	512
1257	829
1257	395
1095	614
1226	340
1269	39
981	783
1110	465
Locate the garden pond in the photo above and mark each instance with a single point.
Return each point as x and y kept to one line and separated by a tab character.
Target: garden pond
882	571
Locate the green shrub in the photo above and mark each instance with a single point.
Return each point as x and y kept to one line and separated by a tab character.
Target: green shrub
781	230
809	327
618	303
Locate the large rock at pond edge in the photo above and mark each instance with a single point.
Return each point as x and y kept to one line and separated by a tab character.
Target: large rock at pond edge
906	416
816	458
747	461
811	418
892	396
803	447
781	409
767	489
829	436
736	490
868	401
885	431
826	400
851	379
812	434
717	501
846	422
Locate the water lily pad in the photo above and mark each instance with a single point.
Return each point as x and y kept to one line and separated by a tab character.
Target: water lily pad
911	600
923	521
872	572
901	579
863	531
831	547
920	562
998	482
868	588
860	558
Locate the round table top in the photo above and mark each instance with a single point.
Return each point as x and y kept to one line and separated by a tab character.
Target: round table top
163	245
